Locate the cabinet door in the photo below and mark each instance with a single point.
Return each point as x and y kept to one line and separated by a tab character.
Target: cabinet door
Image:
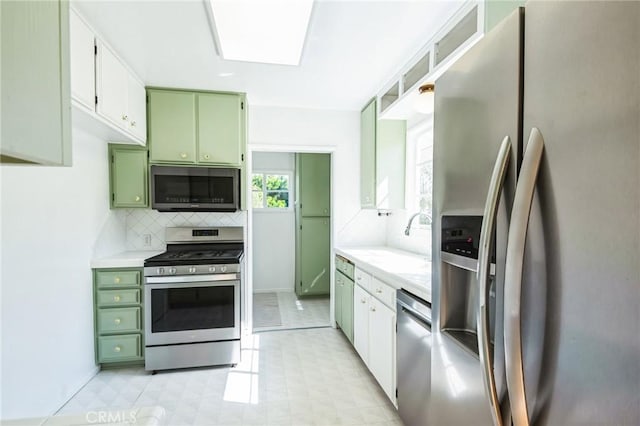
172	126
137	108
315	184
35	96
390	163
314	257
339	283
382	325
129	178
112	86
347	308
368	155
83	65
361	322
219	128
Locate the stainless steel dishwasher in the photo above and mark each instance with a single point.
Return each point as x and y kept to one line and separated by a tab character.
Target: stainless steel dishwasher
413	355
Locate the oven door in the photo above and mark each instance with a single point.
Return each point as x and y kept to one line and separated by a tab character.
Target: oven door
190	309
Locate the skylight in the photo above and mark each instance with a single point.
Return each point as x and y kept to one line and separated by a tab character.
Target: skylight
266	31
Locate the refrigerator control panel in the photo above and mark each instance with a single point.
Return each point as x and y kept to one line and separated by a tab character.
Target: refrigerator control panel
461	236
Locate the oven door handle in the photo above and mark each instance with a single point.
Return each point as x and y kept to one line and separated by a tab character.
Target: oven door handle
192	279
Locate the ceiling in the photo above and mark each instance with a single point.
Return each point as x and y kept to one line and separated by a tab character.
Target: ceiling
353	48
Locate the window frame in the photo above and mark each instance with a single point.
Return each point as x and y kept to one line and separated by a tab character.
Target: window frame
412	202
264	190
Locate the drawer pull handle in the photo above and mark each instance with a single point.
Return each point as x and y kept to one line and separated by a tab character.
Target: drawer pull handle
124	117
378	290
373	309
117	320
363	301
138	198
117	349
183	155
116	280
206	156
116	298
133	124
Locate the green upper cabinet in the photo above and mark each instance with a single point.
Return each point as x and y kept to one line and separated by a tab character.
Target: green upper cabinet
314	187
219	128
196	127
35	80
172	126
128	176
382	160
368	155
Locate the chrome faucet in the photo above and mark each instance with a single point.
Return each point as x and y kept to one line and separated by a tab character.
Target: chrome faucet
408	228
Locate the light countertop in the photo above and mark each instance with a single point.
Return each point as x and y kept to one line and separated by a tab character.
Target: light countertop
398	268
125	259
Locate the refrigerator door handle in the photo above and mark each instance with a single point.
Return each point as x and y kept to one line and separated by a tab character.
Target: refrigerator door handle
484	266
513	277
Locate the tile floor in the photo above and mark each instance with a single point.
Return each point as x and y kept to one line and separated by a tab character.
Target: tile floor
295	378
304	312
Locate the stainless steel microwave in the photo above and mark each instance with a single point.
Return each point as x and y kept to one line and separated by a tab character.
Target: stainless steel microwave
195	189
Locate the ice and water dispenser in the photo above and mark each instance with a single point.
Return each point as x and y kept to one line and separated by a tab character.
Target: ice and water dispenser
458	283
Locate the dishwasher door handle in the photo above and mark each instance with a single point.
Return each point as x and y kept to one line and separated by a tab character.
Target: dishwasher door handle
425	323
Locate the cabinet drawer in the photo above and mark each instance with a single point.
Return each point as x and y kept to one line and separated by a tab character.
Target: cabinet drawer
384	293
363	279
344	266
118	297
119	348
117	278
118	320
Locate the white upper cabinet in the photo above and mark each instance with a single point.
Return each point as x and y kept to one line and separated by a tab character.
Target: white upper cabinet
137	108
83	77
113	84
110	100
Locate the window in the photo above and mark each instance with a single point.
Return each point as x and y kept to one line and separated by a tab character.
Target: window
420	170
270	190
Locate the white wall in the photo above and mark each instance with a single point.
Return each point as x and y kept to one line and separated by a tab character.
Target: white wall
274	244
52	219
309	130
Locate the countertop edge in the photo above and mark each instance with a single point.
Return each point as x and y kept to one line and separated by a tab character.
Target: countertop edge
125	259
392	279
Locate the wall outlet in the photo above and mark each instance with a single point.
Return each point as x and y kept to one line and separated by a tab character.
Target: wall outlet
147	240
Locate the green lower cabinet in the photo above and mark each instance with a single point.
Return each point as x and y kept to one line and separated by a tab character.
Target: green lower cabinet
118	317
121	348
129	176
344	304
314	253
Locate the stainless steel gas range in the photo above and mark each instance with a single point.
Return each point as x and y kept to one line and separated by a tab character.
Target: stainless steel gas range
192	299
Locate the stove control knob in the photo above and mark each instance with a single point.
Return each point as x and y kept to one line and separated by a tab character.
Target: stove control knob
160	271
192	270
212	268
172	271
223	269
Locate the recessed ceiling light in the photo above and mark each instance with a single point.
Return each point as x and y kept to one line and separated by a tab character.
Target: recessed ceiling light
225	74
267	31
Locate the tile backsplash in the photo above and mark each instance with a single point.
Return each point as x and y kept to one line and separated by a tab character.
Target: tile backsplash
145	228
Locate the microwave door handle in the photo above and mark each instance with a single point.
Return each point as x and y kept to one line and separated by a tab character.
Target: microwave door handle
484	268
513	277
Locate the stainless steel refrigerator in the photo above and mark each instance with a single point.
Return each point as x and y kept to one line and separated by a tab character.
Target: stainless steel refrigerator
536	269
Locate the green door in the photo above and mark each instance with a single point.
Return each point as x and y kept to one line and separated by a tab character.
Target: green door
129	177
315	184
172	126
347	308
368	155
314	257
219	128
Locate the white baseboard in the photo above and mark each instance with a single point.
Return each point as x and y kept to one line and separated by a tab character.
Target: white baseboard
77	386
